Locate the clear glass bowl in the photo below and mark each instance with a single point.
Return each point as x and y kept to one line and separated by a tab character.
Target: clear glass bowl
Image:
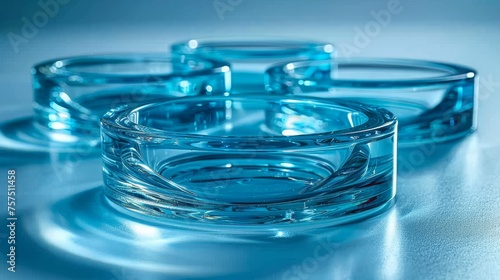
434	101
250	57
72	94
250	160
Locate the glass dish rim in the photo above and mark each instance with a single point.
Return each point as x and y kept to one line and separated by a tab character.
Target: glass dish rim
380	123
59	71
281	43
456	72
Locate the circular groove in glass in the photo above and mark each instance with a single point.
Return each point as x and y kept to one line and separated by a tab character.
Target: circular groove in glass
250	57
434	101
250	160
71	94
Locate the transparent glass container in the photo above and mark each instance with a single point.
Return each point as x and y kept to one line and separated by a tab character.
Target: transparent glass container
71	94
252	160
250	57
434	102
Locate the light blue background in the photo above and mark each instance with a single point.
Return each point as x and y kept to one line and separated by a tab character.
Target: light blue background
446	223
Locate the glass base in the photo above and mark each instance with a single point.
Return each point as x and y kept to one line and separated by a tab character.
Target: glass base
265	230
256	193
420	125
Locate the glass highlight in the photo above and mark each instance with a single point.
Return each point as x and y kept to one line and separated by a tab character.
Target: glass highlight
252	160
250	57
434	101
72	94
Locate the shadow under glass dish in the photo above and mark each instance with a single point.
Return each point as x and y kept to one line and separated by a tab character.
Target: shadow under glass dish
72	94
252	161
434	102
250	57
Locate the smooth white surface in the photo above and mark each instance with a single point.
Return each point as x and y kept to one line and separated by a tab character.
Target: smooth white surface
446	222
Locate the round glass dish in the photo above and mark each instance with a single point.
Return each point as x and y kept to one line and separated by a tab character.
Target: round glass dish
251	160
250	57
72	94
433	101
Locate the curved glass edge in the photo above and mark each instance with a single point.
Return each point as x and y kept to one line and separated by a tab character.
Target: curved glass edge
275	230
57	67
447	108
250	57
255	49
168	180
72	103
321	73
380	123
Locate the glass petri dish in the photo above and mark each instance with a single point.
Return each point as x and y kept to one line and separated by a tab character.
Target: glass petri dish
71	94
256	160
434	101
250	57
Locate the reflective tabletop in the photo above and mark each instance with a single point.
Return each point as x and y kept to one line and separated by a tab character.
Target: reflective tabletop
445	222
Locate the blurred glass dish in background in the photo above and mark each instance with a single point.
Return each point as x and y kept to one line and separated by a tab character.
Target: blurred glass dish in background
71	94
255	160
434	102
250	57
